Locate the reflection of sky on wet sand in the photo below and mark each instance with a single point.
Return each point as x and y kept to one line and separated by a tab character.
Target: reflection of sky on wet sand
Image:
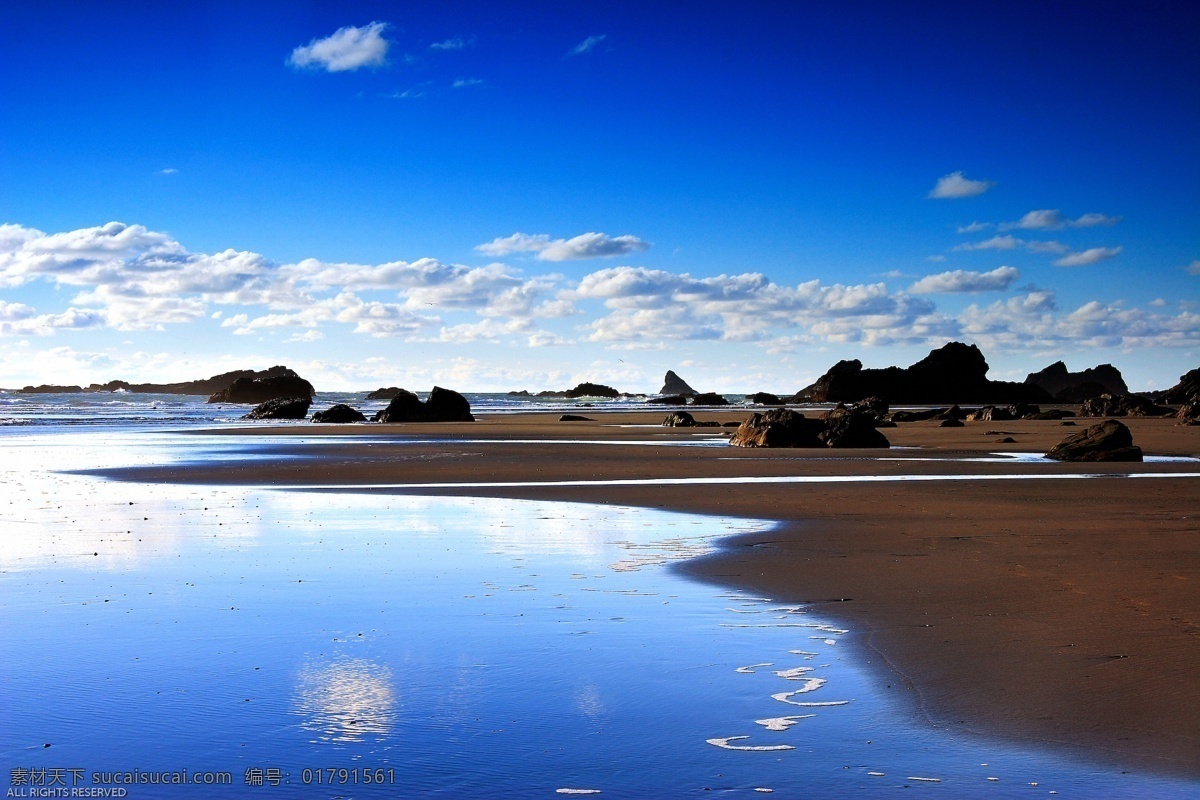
345	699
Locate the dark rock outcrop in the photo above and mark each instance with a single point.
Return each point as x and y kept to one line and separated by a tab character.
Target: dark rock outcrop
953	412
765	399
1186	391
281	408
206	386
783	427
1006	440
260	390
1076	387
670	400
443	405
916	416
49	388
339	414
991	414
592	390
680	419
574	418
1108	441
955	373
852	427
709	399
952	423
673	384
1123	405
1051	413
384	393
1189	413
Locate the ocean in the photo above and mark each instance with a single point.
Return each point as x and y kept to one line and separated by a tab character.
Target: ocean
167	641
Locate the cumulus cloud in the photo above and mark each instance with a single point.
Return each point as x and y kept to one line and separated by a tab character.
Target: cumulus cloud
1004	242
1053	219
465	83
578	248
168	171
956	186
587	45
975	227
345	50
962	281
1193	268
1084	258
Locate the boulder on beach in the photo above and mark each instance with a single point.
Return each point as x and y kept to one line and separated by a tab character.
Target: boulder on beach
443	405
952	423
1076	387
281	408
1189	413
260	390
779	427
1123	405
852	426
574	418
1108	441
384	393
916	416
954	373
709	399
673	384
991	414
680	419
339	414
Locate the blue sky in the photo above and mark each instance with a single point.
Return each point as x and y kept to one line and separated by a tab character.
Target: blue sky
502	196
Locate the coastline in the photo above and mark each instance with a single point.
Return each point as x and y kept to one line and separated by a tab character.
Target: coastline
1056	613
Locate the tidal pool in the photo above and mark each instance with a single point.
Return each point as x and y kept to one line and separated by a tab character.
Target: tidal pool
305	643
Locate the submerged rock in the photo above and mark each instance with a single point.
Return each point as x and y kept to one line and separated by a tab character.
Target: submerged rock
339	414
385	393
1108	441
592	390
765	399
281	408
709	399
669	400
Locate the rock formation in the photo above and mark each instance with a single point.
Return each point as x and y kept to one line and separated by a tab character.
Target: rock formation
574	418
955	373
669	400
384	393
1108	441
680	419
1186	391
591	390
673	384
1123	405
339	414
49	388
1076	387
281	408
443	405
709	399
207	386
260	390
765	399
783	427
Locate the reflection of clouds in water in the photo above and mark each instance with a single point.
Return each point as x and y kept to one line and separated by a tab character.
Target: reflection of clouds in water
346	698
588	700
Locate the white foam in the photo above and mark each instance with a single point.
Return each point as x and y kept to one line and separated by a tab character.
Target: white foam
750	669
810	685
793	674
725	743
577	791
877	774
925	780
782	723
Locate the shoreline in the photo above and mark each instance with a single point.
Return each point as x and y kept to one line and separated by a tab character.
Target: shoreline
1059	614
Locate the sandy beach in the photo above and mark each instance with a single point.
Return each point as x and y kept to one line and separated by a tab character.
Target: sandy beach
1061	613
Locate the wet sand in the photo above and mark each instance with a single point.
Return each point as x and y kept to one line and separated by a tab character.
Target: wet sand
1058	613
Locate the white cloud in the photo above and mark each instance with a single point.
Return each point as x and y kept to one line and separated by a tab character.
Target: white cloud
463	83
962	281
347	49
587	45
1084	258
1004	242
18	322
975	227
1193	268
955	186
310	335
168	171
1053	219
1046	247
578	248
453	43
